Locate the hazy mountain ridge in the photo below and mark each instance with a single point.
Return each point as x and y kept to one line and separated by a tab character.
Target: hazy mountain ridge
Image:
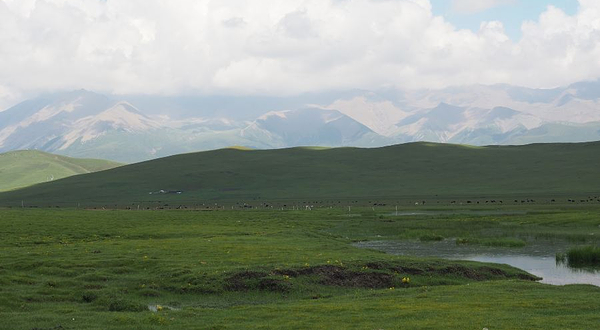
87	124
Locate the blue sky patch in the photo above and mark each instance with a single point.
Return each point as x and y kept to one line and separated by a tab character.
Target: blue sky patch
511	15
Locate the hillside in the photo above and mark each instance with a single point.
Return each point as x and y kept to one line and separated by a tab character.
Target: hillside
400	171
28	167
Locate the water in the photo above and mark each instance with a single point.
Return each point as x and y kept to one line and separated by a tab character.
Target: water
537	257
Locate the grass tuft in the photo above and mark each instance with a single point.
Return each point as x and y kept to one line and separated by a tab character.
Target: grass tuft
431	238
497	242
584	256
122	305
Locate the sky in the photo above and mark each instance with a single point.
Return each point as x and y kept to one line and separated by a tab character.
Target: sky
275	47
468	14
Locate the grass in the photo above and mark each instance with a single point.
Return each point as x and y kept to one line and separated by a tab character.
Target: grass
24	168
431	238
582	256
501	242
405	174
98	269
578	224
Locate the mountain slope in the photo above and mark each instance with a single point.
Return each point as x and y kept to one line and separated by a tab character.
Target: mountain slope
28	167
400	171
56	122
305	127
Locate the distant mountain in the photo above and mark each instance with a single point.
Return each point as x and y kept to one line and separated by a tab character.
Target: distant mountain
372	110
56	122
308	127
133	128
28	167
296	175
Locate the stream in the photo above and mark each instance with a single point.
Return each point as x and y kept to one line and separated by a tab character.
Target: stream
538	257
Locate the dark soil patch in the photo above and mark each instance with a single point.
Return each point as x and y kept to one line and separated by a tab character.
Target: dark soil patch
403	270
249	280
273	285
359	280
462	271
493	271
323	270
242	281
341	276
373	275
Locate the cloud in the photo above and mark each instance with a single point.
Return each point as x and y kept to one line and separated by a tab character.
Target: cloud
476	6
278	47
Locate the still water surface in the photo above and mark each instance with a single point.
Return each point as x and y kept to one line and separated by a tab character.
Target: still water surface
537	258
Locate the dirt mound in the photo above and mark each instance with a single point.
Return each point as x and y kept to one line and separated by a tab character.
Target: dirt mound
371	280
252	280
341	276
373	275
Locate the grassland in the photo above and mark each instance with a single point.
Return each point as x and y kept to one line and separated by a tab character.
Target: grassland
93	269
413	172
264	239
24	168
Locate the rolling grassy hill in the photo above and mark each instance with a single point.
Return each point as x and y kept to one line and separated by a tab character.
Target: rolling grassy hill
394	172
28	167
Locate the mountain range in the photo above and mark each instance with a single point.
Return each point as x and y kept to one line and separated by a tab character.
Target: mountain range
130	128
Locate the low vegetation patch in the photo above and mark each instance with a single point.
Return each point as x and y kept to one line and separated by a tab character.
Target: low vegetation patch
431	238
499	242
585	256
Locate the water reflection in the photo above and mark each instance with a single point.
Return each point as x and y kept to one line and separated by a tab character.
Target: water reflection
537	258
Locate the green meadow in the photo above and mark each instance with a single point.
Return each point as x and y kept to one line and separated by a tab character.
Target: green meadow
273	269
24	168
267	239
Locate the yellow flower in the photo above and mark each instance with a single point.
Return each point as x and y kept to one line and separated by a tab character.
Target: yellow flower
159	308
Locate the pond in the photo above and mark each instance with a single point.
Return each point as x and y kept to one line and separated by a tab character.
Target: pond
538	257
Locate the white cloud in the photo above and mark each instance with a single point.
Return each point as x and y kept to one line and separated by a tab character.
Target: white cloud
278	47
476	6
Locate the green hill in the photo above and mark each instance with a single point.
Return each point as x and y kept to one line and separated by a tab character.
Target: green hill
28	167
394	172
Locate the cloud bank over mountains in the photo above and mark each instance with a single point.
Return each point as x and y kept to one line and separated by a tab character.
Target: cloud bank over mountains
272	47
